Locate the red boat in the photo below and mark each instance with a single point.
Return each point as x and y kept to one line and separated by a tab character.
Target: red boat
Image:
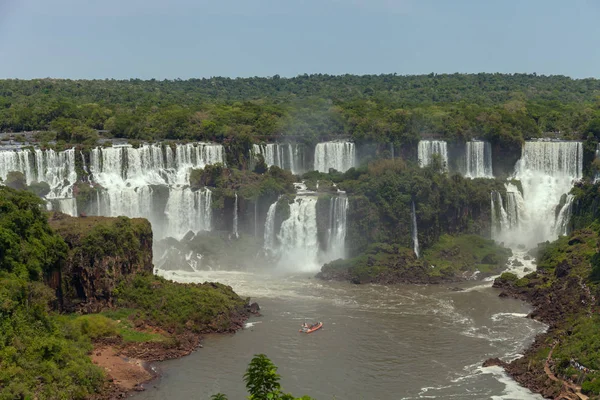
306	328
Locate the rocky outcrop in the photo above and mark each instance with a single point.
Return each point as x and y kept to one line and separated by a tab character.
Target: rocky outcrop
101	252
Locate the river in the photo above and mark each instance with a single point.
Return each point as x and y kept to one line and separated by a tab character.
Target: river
378	342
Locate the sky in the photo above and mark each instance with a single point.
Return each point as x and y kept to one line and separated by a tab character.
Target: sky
122	39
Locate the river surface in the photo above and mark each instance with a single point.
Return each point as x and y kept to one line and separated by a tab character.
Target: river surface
378	342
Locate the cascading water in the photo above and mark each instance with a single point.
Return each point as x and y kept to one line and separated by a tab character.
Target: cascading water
427	148
415	232
298	236
547	170
564	217
57	169
269	236
478	159
283	155
340	156
129	177
235	217
336	233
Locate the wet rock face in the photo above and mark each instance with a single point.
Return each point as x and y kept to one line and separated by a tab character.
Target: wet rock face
102	251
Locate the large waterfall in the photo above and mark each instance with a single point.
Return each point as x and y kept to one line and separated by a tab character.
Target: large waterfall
150	181
296	246
298	240
283	155
57	169
130	177
478	159
340	156
546	170
427	148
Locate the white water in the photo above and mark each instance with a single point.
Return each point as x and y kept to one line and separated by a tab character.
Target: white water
296	246
57	169
283	155
298	236
340	156
269	236
427	148
235	217
478	159
547	171
415	233
129	177
336	233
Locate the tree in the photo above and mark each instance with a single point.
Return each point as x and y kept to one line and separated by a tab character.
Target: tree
262	382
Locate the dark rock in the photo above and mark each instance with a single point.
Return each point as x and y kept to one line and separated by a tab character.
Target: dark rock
517	263
490	259
562	269
457	289
526	269
494	362
253	308
527	257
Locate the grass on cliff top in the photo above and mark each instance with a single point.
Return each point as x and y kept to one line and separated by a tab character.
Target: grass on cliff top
177	307
463	253
110	323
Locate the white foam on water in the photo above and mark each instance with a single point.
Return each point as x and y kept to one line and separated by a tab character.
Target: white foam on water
512	390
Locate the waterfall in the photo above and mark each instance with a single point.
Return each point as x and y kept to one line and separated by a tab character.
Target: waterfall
235	217
188	211
340	156
336	231
415	233
478	159
597	160
57	169
298	236
427	148
564	216
283	155
547	170
129	178
151	164
270	242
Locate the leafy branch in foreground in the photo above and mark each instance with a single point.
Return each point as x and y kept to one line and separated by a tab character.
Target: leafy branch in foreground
262	382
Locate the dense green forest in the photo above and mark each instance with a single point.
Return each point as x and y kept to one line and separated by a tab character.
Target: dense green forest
383	108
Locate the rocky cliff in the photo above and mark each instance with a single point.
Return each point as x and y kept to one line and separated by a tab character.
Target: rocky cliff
102	251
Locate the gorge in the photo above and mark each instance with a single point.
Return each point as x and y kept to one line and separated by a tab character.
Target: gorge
374	197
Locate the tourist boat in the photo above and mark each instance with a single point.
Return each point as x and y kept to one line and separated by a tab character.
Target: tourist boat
306	328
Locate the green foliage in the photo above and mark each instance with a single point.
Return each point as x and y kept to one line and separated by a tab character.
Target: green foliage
449	258
178	307
40	189
95	326
41	356
15	180
262	382
503	108
466	253
262	379
28	247
381	197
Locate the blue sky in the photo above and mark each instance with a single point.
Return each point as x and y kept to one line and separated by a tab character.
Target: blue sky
200	38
